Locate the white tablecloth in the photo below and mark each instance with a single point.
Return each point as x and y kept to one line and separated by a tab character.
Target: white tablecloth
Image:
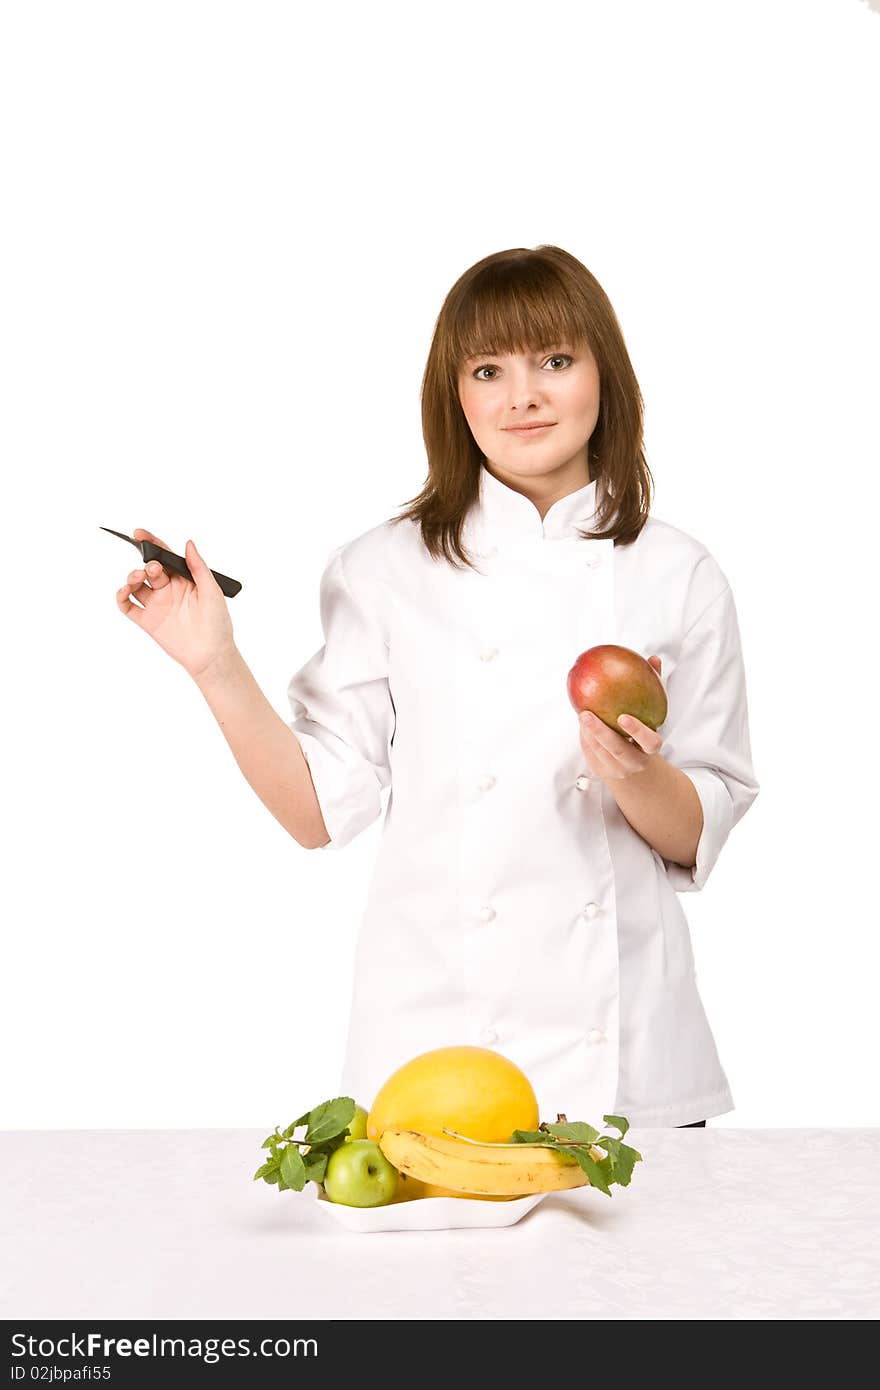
717	1223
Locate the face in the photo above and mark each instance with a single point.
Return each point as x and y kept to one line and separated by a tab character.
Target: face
559	386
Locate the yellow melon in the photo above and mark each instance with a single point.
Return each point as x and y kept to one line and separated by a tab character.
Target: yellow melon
471	1090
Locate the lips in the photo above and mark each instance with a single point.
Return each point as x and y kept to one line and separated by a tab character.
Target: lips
527	430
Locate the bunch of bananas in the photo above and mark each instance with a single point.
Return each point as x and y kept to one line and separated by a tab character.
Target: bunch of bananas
470	1168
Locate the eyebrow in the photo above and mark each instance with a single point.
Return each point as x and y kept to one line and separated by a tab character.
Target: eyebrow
562	342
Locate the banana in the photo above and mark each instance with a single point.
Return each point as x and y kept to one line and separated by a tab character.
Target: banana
471	1168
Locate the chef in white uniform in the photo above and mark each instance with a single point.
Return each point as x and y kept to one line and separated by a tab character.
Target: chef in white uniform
525	896
512	904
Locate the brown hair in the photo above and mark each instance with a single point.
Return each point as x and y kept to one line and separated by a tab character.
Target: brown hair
517	301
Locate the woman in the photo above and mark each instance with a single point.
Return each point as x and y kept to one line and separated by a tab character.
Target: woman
525	894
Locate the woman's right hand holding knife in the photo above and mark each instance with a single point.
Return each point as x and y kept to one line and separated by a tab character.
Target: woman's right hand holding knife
190	621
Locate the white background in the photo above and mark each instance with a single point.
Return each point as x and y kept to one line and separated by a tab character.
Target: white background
229	229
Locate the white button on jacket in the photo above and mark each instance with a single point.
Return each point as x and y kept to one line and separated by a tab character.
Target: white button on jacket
372	713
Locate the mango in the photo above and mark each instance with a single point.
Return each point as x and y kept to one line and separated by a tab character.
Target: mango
612	680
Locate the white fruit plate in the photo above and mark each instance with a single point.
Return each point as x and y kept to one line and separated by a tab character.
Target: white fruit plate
427	1213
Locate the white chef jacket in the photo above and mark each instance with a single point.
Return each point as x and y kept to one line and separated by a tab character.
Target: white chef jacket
512	905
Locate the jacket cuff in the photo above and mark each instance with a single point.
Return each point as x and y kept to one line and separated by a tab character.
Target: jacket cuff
345	785
717	823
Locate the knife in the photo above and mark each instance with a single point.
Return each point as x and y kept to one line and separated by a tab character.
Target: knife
150	551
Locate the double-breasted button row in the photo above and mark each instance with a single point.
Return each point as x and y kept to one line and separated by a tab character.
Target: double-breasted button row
487	652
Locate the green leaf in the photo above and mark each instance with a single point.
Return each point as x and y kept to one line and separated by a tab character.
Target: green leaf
550	1136
611	1147
330	1145
273	1176
315	1165
576	1130
597	1172
618	1122
293	1169
626	1162
303	1120
618	1163
330	1119
621	1158
269	1142
269	1167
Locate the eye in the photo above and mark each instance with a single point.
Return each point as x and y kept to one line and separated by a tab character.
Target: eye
488	367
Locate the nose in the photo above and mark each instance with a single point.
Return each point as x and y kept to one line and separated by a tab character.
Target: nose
525	389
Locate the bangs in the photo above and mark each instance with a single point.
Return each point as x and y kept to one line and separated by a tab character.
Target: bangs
515	308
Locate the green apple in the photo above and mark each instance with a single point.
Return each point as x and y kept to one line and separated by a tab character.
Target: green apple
357	1129
359	1175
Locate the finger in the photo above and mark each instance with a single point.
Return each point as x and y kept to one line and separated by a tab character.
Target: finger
606	765
136	584
656	663
598	743
157	575
613	767
125	605
609	739
592	752
139	534
198	569
647	739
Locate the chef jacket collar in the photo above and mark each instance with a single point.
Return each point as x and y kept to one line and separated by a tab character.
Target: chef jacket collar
505	512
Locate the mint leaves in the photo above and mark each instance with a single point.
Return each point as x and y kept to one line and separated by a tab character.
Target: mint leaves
326	1128
576	1138
294	1162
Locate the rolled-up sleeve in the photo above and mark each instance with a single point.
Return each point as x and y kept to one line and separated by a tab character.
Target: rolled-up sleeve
706	732
343	714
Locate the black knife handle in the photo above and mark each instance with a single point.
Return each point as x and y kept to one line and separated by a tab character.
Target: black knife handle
177	563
